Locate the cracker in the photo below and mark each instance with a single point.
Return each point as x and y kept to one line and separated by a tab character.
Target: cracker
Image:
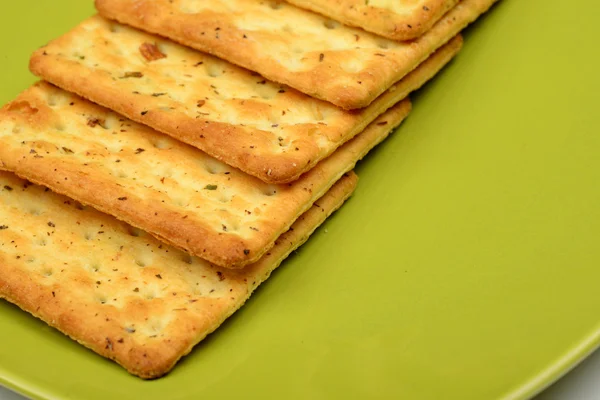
262	128
345	66
128	298
156	183
397	20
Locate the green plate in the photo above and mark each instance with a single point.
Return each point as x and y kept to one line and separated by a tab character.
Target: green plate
465	267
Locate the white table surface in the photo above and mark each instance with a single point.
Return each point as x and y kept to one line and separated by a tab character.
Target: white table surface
583	383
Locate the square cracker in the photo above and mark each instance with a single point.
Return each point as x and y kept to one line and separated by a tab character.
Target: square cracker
128	298
165	187
345	66
262	128
394	19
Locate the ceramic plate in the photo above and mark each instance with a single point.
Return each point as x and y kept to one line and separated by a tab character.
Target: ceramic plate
465	267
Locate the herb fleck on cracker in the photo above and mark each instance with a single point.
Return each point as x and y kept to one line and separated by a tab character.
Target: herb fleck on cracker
151	52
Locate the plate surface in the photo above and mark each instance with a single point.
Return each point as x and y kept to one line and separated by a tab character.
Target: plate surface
465	267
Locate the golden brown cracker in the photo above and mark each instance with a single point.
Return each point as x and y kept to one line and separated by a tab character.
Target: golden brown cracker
118	291
316	55
394	19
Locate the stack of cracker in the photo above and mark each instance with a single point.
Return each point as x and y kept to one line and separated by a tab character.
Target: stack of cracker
184	148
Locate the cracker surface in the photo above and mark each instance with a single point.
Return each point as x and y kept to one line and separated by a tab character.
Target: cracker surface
316	55
119	291
172	190
265	129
